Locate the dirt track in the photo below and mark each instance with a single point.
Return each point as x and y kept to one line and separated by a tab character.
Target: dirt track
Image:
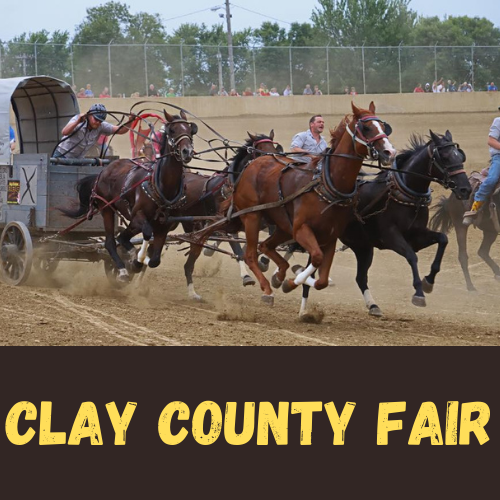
77	306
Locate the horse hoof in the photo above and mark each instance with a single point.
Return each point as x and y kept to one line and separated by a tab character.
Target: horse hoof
288	286
268	300
426	286
123	276
263	264
418	301
137	266
297	269
375	311
330	282
248	280
472	289
208	252
275	281
196	298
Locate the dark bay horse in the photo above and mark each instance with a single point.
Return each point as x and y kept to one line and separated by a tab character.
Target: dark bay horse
450	212
393	211
310	205
204	195
144	198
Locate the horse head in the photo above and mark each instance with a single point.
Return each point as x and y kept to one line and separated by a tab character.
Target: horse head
265	144
372	133
447	161
178	137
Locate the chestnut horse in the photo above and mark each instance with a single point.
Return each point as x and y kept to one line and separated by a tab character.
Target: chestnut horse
206	193
144	197
312	204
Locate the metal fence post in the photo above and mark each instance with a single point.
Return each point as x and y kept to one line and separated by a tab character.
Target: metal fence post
254	74
146	67
72	64
109	68
36	60
364	73
327	70
291	67
472	65
1	46
182	69
435	63
399	64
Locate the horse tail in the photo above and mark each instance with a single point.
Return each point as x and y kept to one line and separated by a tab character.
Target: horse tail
441	220
78	208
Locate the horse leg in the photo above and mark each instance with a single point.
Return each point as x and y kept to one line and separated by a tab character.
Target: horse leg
247	279
396	242
424	238
160	232
304	236
194	253
268	248
251	223
489	238
463	257
364	259
124	240
108	217
142	256
208	252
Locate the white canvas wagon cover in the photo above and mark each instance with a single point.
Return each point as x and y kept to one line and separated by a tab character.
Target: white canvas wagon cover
42	106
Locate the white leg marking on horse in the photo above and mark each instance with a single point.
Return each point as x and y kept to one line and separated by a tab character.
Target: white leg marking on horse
368	299
122	272
243	269
287	257
192	294
303	307
302	277
310	281
141	256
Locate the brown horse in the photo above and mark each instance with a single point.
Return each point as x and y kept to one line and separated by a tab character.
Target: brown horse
204	195
311	205
145	197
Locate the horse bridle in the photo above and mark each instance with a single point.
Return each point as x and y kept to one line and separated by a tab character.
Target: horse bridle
436	160
254	149
174	142
358	136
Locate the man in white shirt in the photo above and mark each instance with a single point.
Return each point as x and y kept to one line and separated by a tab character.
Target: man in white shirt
310	141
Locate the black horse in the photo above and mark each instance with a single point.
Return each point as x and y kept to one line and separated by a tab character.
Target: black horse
393	211
450	212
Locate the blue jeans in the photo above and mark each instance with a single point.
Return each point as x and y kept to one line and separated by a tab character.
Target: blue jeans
487	187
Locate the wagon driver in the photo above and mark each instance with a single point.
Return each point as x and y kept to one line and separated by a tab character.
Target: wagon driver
83	131
310	141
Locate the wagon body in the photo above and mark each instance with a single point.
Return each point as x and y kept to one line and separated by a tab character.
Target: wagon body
32	187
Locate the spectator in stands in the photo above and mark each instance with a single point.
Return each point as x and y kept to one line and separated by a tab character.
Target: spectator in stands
287	91
152	92
274	92
492	87
418	89
88	91
353	91
233	93
213	90
427	88
469	88
104	93
307	90
346	90
248	92
317	91
81	93
223	92
263	90
171	93
451	87
463	87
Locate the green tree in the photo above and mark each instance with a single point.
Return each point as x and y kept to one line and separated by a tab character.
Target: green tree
131	51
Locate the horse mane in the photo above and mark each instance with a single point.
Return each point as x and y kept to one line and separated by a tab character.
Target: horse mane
417	144
337	133
242	151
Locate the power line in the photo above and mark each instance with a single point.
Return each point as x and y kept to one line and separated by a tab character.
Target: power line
260	14
186	15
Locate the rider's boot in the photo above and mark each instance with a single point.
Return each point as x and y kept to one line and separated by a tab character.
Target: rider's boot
470	216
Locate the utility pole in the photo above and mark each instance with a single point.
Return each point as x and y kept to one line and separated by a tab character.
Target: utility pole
230	47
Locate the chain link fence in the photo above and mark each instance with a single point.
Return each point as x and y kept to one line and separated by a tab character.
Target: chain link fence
191	69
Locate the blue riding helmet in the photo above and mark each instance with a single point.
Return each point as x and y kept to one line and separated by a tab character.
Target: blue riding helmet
98	111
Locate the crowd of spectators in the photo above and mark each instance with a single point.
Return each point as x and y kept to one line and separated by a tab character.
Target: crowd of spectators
86	92
263	90
443	85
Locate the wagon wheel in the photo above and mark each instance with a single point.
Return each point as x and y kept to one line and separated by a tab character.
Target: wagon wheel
16	254
45	265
